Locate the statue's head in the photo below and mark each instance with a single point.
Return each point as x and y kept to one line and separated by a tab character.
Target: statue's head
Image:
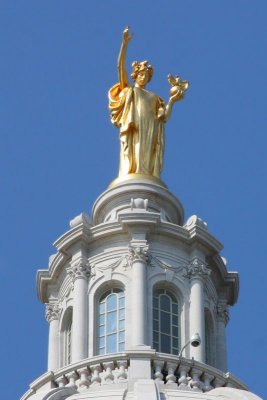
142	72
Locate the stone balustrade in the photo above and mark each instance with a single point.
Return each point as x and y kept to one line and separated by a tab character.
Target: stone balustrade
169	370
191	375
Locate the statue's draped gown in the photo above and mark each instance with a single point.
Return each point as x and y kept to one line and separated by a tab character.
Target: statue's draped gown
137	112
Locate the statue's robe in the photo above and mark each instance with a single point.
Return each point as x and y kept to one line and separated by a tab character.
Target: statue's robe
138	113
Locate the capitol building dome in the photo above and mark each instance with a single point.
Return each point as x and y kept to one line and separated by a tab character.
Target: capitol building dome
137	298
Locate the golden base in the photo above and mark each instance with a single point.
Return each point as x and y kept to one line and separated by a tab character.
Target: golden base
136	177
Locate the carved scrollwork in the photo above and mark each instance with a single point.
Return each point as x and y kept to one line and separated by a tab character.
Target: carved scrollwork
52	311
197	269
80	269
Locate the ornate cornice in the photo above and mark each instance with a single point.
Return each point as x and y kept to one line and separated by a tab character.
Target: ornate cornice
79	269
197	269
52	311
138	253
223	313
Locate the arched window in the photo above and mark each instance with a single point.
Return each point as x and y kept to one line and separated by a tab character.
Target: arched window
111	322
66	337
165	322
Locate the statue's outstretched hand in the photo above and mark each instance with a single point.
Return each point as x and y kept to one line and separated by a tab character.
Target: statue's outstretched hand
176	97
127	36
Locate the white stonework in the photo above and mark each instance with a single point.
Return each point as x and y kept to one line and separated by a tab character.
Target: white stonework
136	249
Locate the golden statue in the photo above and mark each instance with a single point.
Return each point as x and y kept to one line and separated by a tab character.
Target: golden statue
140	115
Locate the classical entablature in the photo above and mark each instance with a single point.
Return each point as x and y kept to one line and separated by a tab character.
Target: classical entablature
136	213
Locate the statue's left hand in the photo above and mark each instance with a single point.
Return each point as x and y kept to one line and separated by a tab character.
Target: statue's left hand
176	97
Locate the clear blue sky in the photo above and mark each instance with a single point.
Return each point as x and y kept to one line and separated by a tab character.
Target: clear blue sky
59	150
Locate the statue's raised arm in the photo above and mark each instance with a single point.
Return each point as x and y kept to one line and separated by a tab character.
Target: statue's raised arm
122	72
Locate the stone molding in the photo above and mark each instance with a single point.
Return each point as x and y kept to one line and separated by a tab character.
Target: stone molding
223	313
52	311
45	278
138	253
79	269
143	192
197	269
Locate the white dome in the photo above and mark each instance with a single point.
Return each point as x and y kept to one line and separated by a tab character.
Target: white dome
233	394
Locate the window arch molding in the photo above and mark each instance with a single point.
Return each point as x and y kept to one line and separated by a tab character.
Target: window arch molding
97	292
173	283
66	336
109	317
167	310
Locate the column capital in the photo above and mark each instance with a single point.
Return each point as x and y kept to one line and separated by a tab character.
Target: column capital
197	269
138	252
79	268
52	311
223	313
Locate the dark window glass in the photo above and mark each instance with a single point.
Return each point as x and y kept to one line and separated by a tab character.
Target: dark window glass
175	331
155	302
165	343
165	322
165	302
156	325
175	308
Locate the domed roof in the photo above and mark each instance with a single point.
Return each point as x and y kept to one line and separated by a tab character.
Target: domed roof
143	389
233	394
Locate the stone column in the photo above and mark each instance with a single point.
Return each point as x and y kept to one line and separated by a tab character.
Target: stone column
80	272
197	272
222	320
138	257
52	316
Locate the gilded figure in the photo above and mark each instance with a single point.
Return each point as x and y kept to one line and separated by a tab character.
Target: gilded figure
140	115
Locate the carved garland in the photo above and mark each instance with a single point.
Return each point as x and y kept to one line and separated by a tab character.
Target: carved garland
156	262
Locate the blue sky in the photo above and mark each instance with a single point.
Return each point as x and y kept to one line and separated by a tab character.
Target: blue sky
59	150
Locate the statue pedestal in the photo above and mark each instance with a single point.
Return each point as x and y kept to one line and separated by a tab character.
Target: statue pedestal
141	193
